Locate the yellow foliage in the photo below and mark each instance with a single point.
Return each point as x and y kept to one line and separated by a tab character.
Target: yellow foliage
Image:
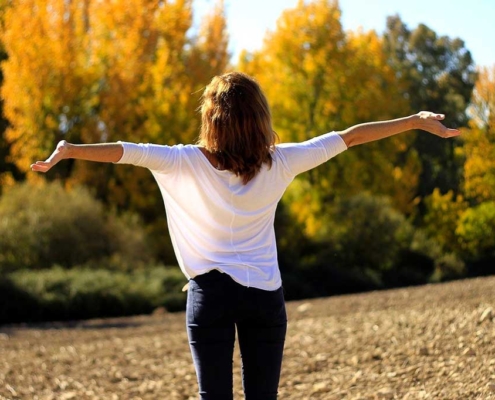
98	71
482	107
479	140
442	217
317	79
298	66
209	56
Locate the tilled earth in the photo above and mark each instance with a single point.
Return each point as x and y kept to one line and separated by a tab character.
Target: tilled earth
429	342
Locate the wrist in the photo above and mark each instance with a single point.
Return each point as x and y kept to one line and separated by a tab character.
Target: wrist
68	150
415	121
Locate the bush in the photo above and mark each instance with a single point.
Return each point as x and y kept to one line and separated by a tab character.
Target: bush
81	293
476	231
442	215
365	244
41	226
448	267
369	232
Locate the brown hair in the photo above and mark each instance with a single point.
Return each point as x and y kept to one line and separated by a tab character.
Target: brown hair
236	124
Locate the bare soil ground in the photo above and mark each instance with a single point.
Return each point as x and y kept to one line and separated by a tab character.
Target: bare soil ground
429	342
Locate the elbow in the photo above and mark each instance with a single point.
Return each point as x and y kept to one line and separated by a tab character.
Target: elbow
349	139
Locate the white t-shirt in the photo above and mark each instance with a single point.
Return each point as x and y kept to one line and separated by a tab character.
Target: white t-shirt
217	222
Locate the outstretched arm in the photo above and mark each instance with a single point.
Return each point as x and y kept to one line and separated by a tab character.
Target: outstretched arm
104	152
371	131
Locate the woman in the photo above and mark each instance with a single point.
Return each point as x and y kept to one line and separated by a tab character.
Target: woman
220	196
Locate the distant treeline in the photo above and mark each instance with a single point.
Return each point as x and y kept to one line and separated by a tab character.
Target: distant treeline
406	210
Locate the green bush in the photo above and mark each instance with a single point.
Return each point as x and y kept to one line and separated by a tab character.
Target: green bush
365	244
369	233
441	217
81	293
476	231
41	226
448	267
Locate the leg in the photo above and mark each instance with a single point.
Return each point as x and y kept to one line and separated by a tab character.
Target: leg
261	340
211	339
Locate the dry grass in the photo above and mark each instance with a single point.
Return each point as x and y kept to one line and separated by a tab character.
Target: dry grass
430	342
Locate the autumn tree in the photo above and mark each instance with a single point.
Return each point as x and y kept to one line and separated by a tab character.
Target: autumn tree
479	140
94	71
7	168
141	90
317	79
8	171
435	73
209	56
43	84
443	213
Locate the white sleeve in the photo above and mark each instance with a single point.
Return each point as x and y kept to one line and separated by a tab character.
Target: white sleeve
301	157
152	156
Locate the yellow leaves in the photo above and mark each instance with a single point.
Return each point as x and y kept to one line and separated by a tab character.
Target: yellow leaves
41	74
298	66
479	140
443	214
7	181
479	165
305	205
213	41
482	108
371	85
94	70
317	79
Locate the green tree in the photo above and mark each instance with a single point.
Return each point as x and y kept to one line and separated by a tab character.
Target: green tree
436	73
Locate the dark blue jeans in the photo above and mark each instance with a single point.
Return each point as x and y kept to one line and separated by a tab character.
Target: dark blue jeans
216	305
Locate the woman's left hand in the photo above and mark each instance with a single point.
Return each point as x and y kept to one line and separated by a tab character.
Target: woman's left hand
430	122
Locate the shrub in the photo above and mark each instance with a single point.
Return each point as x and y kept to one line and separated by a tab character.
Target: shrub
81	293
448	267
41	226
364	244
369	233
476	231
441	218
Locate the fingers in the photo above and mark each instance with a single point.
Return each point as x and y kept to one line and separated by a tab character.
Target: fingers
437	117
55	157
431	115
452	133
431	122
445	133
40	166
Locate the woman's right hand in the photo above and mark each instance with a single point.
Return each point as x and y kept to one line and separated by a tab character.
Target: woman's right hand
61	152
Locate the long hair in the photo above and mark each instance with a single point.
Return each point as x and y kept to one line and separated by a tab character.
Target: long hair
236	124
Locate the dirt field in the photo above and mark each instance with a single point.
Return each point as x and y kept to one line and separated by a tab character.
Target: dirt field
430	342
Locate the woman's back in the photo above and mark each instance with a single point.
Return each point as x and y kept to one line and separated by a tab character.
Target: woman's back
217	221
